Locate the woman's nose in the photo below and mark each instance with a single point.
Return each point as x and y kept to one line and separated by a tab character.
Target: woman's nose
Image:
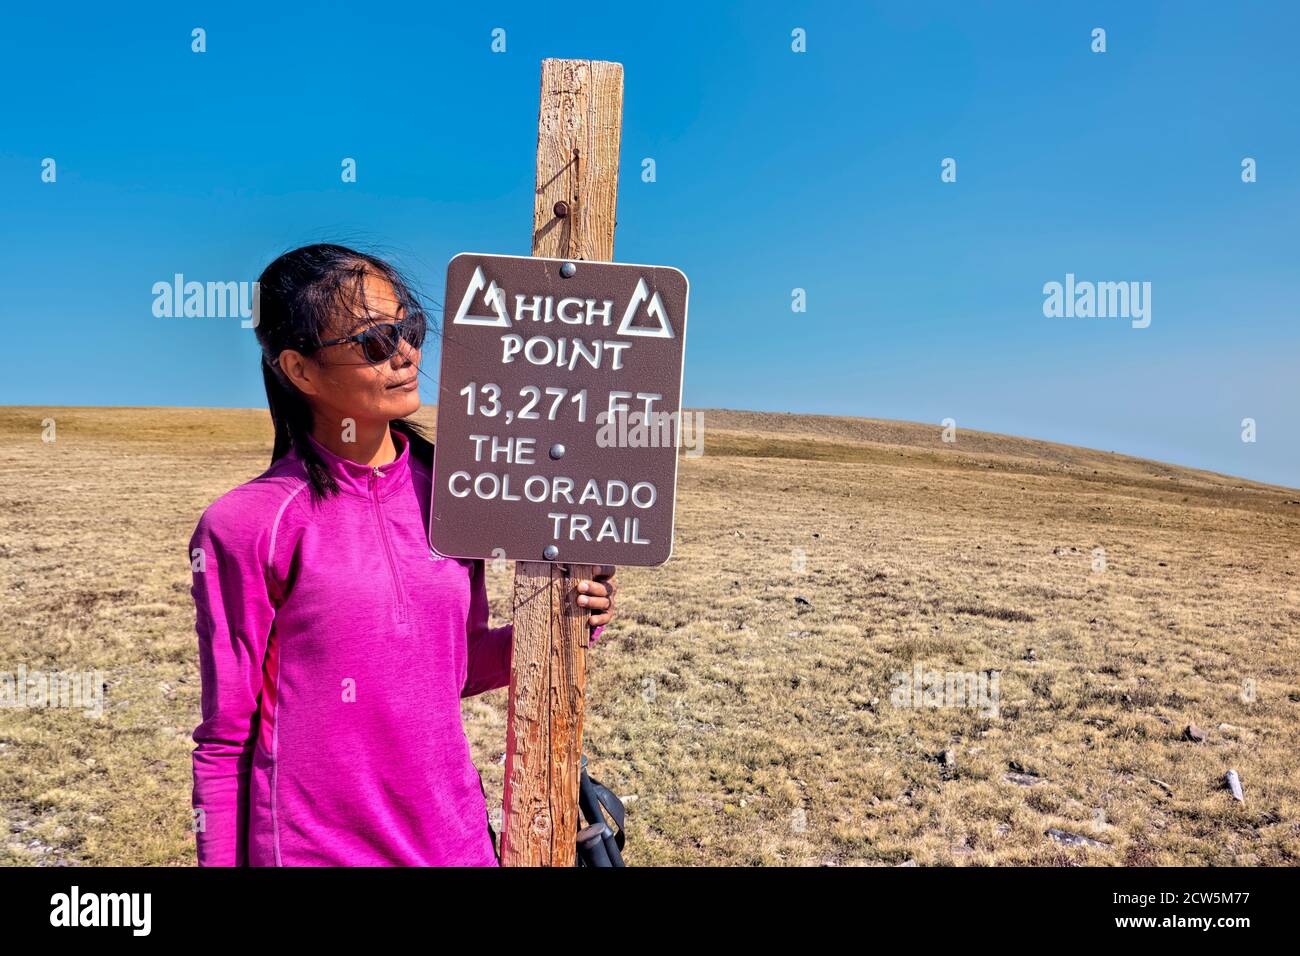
405	354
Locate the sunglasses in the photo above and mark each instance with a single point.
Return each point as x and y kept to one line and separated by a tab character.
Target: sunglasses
379	342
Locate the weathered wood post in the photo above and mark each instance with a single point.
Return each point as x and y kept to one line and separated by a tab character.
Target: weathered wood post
578	130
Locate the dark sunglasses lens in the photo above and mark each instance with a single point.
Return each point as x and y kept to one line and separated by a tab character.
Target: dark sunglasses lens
413	329
379	342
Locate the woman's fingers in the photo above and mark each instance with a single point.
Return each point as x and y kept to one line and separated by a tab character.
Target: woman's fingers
598	595
596	602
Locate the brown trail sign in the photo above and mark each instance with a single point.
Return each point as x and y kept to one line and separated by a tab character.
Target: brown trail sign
559	397
534	351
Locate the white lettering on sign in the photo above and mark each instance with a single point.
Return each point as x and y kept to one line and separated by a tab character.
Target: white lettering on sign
609	529
616	406
490	486
569	310
562	353
517	451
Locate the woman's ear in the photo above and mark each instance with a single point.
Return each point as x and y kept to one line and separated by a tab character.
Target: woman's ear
299	370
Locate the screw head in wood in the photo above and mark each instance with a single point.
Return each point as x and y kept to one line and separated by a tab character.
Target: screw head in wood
568	269
561	209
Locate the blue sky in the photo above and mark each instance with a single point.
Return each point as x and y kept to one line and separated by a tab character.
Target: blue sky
775	171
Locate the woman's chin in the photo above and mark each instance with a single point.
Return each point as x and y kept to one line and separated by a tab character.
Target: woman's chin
403	404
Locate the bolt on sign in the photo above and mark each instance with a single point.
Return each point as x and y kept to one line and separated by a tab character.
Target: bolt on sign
559	409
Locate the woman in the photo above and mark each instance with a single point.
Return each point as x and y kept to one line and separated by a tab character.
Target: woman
335	646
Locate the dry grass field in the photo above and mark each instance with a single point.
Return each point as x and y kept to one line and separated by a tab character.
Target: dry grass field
743	700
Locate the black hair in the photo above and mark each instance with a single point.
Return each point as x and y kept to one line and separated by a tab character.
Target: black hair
299	296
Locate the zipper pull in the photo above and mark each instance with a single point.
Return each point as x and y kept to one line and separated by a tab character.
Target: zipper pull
377	473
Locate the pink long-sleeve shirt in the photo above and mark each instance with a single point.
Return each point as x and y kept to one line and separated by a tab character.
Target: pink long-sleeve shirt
335	647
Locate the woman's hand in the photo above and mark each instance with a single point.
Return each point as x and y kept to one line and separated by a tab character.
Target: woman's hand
597	595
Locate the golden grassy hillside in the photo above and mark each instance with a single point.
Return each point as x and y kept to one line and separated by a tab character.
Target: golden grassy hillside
742	701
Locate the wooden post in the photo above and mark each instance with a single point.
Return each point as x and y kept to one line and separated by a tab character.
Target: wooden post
578	130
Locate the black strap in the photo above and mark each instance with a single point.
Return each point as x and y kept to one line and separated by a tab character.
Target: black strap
614	806
598	844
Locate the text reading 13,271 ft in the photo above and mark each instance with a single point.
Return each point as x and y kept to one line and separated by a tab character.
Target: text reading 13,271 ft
486	400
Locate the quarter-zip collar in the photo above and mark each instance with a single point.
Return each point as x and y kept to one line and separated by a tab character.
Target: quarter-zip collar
364	480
